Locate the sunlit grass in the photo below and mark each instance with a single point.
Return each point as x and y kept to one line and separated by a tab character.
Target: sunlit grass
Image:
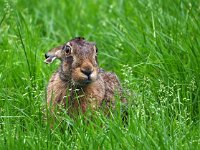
153	46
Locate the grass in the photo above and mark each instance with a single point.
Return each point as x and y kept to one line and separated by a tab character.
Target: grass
153	47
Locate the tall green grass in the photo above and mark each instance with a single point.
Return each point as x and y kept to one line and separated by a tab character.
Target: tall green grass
153	46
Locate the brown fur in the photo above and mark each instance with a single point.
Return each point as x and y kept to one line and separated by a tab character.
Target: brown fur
79	83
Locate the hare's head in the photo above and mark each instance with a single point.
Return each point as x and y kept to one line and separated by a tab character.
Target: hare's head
79	60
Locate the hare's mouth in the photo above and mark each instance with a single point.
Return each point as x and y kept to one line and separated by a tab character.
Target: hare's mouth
82	81
87	81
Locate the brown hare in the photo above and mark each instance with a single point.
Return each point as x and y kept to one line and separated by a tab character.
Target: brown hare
79	83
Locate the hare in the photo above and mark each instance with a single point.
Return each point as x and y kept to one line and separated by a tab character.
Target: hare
79	83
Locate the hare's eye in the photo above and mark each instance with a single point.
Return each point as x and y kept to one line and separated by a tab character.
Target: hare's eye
66	49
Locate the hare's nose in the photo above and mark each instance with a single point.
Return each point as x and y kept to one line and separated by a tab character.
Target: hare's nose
87	72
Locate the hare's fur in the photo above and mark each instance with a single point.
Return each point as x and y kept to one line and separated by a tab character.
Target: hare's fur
79	83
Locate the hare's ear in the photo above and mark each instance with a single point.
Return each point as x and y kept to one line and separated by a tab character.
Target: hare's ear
49	59
53	54
96	52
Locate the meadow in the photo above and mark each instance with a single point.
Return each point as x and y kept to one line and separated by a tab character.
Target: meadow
152	45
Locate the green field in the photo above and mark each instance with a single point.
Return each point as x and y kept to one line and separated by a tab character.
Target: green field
152	45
